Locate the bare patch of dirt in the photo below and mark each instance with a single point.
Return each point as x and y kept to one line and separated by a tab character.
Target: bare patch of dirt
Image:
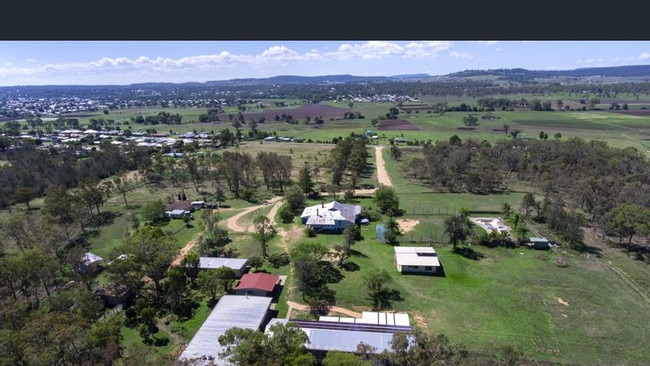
407	224
420	321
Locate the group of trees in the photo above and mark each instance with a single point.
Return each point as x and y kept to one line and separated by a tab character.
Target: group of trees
580	181
348	159
29	171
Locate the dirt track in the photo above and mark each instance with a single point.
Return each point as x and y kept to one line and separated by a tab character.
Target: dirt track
382	174
333	309
232	222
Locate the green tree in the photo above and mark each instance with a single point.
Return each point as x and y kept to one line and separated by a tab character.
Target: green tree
528	203
151	251
457	229
284	344
376	286
295	197
264	231
387	200
306	179
628	220
153	211
340	358
209	284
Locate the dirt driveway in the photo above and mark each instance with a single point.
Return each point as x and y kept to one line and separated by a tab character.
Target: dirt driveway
382	174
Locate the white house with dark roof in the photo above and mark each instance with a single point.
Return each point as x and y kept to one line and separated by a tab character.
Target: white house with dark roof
331	217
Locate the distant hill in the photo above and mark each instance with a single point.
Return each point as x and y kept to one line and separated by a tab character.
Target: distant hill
634	71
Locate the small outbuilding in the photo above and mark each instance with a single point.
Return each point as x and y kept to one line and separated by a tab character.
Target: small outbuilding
417	260
238	265
539	243
257	284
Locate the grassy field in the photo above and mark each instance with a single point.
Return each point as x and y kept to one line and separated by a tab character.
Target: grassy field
586	313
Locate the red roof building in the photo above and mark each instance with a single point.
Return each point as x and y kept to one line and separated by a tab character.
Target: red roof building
257	284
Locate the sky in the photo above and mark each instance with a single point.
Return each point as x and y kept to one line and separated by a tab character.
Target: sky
64	62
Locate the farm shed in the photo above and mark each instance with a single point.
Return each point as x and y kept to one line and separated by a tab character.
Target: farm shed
257	284
416	260
238	265
331	217
249	312
325	336
539	243
197	205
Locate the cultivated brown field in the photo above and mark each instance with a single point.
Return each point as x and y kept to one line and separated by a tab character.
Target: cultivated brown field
397	125
326	112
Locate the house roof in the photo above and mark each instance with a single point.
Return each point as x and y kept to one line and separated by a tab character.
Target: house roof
231	311
89	258
179	205
416	256
328	213
259	281
215	262
331	336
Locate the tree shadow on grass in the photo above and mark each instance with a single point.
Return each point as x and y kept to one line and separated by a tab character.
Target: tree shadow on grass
356	253
329	273
350	266
469	253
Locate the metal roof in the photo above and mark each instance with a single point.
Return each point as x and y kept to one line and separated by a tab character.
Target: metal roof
260	281
372	317
216	262
333	336
330	212
231	311
416	256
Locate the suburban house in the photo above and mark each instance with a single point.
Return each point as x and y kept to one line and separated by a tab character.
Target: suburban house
238	265
178	209
416	260
257	284
331	217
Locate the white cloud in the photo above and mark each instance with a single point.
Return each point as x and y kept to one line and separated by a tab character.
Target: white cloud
487	43
461	55
644	56
31	60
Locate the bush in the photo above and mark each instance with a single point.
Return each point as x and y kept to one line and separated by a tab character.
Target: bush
286	215
309	231
278	260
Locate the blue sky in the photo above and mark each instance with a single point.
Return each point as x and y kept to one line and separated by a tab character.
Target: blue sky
126	62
